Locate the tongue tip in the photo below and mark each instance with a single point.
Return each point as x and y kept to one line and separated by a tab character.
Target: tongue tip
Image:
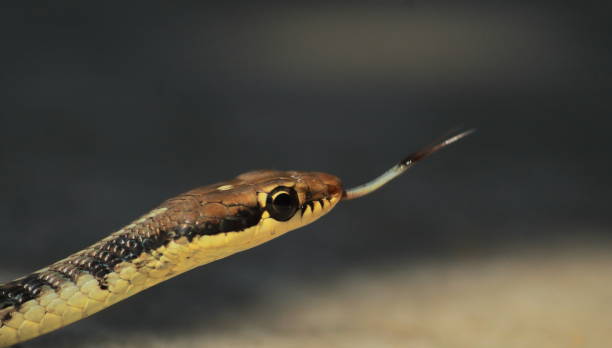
402	166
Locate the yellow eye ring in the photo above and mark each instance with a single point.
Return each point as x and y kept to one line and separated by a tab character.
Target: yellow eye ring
282	203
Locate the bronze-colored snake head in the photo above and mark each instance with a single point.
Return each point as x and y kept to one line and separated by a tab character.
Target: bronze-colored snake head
291	199
259	204
283	194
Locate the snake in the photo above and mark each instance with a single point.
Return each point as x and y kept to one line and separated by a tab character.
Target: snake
190	230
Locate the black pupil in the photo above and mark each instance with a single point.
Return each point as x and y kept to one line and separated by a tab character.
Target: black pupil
283	205
282	202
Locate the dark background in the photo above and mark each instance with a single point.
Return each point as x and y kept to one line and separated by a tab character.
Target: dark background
108	109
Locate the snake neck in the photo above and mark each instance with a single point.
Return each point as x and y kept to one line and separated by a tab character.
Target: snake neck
184	232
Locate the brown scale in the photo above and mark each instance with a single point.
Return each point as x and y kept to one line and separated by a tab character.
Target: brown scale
132	243
14	294
33	285
118	248
68	270
54	279
105	256
21	290
91	265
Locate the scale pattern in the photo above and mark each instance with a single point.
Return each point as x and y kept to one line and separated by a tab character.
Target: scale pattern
187	231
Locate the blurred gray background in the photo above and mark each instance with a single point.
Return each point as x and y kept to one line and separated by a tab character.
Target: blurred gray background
110	108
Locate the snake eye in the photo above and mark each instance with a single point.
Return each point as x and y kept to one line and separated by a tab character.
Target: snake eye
282	203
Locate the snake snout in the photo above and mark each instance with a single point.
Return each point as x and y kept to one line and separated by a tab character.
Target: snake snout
326	186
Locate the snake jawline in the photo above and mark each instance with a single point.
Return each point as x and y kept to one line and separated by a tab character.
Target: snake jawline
81	285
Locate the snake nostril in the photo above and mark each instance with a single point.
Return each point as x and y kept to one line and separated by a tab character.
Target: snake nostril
333	190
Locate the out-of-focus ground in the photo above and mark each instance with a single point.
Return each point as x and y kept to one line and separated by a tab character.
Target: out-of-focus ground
555	296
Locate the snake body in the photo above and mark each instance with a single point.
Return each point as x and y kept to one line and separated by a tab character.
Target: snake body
184	232
190	230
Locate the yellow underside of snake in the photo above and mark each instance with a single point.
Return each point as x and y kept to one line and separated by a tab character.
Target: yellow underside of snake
76	297
184	232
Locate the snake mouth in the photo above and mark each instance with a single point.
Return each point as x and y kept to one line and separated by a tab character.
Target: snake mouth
321	196
316	205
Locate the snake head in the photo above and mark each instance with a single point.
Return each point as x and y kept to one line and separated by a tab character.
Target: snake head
292	197
263	204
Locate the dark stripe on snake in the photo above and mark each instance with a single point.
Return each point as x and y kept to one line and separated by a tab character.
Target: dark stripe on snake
125	247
